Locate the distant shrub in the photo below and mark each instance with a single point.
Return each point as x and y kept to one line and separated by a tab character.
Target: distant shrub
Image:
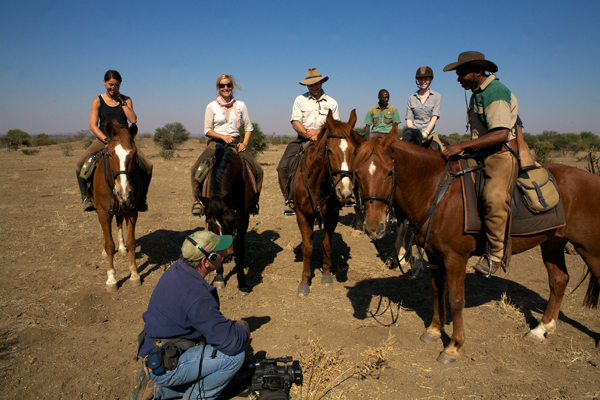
170	136
167	154
16	138
66	149
278	139
41	140
455	138
203	140
30	152
145	135
543	149
360	131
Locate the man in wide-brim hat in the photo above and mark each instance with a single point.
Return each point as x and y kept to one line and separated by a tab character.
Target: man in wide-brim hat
492	117
309	115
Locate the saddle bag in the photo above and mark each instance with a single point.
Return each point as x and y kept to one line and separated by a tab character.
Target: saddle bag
203	169
167	354
538	189
88	167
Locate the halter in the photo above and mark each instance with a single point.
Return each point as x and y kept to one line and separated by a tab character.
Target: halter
107	169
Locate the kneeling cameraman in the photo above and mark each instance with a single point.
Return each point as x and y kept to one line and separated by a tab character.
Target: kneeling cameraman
190	349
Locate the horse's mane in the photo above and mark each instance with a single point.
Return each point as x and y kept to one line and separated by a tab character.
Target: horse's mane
222	176
122	133
414	136
372	146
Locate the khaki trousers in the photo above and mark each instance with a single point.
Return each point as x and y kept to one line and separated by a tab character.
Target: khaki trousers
501	170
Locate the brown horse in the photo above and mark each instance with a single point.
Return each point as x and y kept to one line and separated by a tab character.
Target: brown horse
323	183
409	175
227	208
116	192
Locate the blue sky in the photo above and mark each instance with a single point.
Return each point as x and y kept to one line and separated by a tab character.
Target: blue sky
53	56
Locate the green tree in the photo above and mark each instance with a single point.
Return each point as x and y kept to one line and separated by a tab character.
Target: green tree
591	140
543	149
258	140
170	136
42	140
16	138
455	138
568	143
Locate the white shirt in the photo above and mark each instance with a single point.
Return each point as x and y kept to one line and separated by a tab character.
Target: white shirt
215	120
312	113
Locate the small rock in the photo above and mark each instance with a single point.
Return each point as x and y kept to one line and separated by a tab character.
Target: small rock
94	266
62	320
100	319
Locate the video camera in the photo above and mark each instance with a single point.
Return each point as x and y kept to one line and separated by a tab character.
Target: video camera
273	377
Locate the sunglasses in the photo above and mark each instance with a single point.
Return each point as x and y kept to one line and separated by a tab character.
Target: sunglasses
224	85
212	257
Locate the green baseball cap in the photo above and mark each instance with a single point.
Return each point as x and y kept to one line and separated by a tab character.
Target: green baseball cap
209	241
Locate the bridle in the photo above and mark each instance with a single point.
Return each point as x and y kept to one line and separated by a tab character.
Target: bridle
388	201
108	170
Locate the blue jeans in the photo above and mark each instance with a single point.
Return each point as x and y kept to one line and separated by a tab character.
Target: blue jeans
189	382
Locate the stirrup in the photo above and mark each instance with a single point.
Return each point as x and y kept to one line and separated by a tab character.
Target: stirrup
253	209
289	208
201	206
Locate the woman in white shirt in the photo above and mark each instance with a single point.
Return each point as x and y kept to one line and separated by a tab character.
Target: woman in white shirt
423	106
222	121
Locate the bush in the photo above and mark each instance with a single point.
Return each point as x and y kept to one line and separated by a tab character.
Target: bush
542	151
276	140
16	138
258	141
455	138
66	149
166	154
41	140
30	152
171	135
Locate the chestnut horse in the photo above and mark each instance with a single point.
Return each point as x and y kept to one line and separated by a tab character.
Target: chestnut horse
410	175
227	208
116	192
323	183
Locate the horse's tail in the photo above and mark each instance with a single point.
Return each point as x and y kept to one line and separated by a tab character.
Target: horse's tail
592	296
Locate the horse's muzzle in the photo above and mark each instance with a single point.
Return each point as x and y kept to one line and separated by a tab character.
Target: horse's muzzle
378	232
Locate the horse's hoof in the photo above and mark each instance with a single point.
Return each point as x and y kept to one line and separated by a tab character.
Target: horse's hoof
123	251
111	288
534	339
243	291
219	285
303	290
446	359
327	280
135	282
427	337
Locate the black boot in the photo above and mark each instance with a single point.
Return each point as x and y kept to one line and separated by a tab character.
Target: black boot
86	198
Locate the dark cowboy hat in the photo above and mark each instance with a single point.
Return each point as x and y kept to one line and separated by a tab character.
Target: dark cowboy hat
313	76
473	59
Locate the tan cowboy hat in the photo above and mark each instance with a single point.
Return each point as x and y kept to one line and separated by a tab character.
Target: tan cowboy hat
473	58
313	76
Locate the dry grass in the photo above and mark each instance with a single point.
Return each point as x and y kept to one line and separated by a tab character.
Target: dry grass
508	308
325	370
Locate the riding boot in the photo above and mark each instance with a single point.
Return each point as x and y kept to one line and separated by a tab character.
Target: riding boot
254	206
86	198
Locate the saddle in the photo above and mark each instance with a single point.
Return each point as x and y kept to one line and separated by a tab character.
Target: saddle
204	178
524	221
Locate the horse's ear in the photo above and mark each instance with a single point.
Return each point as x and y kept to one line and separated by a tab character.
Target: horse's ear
109	129
391	136
330	119
133	130
352	120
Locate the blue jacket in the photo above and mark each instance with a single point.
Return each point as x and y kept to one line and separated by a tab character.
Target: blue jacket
184	305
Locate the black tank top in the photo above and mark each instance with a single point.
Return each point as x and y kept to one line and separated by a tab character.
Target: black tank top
108	114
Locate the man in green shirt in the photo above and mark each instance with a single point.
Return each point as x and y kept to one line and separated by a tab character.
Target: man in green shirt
382	115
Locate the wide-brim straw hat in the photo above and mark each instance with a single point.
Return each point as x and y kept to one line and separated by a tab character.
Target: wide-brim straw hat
313	76
473	59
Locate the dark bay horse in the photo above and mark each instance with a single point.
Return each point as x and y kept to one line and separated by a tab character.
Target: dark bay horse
116	192
227	208
410	175
323	183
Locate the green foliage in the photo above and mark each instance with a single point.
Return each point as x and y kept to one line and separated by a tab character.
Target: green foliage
16	138
279	139
171	135
146	135
166	154
42	140
542	151
591	140
530	139
258	141
30	152
360	131
455	138
66	149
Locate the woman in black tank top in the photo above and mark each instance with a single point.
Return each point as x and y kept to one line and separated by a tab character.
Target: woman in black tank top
108	106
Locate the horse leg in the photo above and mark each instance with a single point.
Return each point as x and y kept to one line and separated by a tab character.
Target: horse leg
240	254
109	248
134	278
358	215
456	272
122	248
433	333
558	278
327	278
306	229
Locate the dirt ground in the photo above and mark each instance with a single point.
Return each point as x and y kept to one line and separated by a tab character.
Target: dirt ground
62	336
